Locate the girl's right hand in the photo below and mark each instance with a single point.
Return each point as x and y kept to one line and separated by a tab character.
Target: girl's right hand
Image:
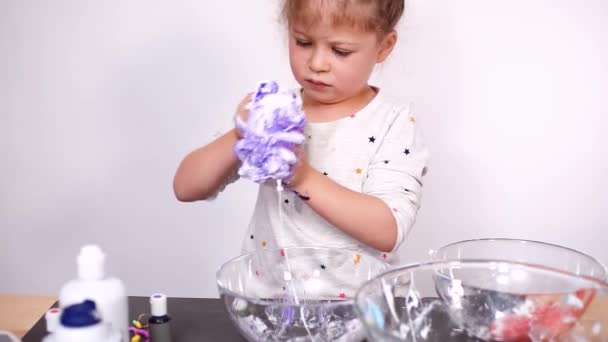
241	109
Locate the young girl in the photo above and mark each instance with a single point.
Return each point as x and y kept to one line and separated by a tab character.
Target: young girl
357	182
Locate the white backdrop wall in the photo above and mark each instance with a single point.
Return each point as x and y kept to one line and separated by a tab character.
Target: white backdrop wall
99	101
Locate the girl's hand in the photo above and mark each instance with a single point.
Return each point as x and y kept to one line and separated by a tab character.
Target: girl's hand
301	169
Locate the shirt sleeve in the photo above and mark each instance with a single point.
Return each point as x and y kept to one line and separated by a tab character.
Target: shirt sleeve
395	172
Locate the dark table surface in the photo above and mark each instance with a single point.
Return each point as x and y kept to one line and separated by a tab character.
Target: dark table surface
205	319
192	319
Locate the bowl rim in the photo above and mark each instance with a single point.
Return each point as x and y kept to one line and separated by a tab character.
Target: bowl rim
434	252
602	285
278	249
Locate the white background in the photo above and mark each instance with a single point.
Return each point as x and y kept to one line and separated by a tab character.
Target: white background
99	101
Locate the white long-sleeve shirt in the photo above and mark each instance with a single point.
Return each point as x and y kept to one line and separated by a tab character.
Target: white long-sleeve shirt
376	151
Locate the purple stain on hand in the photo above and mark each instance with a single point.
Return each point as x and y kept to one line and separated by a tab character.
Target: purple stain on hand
274	128
302	197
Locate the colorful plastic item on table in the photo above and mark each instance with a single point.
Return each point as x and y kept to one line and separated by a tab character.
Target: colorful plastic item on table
140	331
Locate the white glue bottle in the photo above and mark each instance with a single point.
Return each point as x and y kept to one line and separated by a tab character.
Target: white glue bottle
109	294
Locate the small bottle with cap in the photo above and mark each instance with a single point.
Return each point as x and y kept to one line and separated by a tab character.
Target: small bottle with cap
51	318
159	321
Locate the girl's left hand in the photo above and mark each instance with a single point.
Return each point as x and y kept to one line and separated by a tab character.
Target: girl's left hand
301	169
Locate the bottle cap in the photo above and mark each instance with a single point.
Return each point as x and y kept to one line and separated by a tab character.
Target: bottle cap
158	305
91	263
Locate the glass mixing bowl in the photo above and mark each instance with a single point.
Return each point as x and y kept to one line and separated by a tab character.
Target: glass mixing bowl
297	293
526	251
487	300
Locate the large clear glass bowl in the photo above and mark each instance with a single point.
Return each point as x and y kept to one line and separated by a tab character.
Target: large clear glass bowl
487	300
297	293
526	251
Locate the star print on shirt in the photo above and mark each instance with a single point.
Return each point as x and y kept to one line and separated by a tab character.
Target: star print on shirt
372	139
358	171
407	151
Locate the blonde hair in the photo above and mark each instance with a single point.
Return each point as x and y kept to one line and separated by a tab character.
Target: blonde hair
379	16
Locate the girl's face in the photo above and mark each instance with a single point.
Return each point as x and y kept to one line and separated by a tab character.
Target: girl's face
334	63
